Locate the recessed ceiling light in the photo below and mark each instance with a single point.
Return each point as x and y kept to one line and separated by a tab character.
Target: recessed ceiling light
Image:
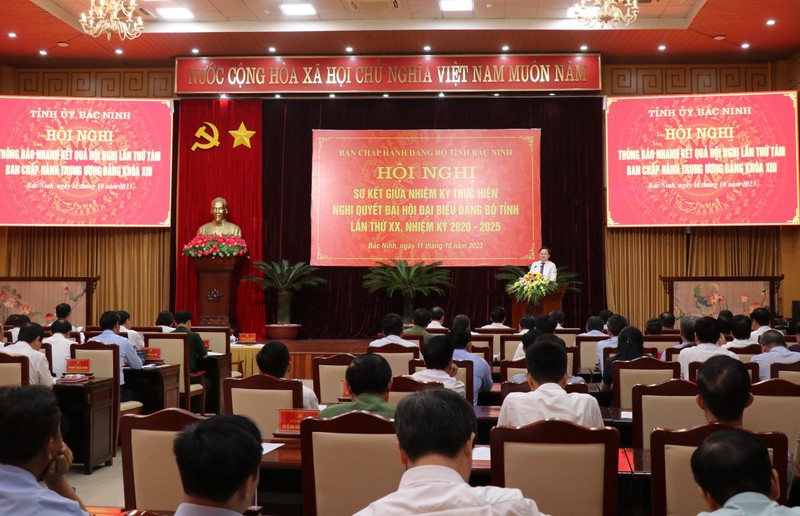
277	95
175	13
455	5
552	94
43	52
584	48
496	94
348	49
662	47
298	9
505	48
272	49
63	44
770	22
332	95
441	94
12	34
385	95
195	51
223	96
426	48
719	37
118	51
745	45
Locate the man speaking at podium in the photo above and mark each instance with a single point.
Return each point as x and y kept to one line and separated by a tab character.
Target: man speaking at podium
544	266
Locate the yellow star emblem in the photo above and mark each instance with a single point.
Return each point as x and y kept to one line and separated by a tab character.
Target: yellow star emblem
241	136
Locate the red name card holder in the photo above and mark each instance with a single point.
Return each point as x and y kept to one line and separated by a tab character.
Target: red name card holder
247	338
153	354
207	343
78	366
289	420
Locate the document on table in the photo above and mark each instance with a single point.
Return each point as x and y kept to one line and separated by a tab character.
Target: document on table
482	453
268	447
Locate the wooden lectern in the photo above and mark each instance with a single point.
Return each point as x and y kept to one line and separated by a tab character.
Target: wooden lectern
217	282
550	302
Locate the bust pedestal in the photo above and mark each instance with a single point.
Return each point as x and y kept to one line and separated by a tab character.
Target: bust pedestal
217	282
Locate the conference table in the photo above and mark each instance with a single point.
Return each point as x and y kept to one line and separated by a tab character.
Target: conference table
246	353
156	387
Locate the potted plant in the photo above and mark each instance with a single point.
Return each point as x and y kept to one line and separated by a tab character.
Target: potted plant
286	279
531	288
409	280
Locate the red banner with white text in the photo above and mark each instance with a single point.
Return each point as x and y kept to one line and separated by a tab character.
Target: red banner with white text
463	197
728	159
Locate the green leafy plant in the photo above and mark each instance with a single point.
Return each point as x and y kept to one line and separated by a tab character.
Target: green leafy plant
408	280
286	279
564	277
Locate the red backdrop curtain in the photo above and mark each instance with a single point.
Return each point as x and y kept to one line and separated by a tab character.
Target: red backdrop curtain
234	173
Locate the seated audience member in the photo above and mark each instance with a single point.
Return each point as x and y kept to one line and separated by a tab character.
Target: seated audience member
197	350
526	324
166	320
219	460
463	321
773	351
64	311
422	318
725	313
274	360
369	378
438	354
60	344
630	346
594	327
740	328
559	317
653	326
498	316
796	347
547	375
481	370
134	336
523	346
725	324
760	317
615	325
546	324
548	337
605	315
437	318
32	450
667	321
735	474
687	323
392	329
28	345
436	432
18	321
109	323
706	335
723	384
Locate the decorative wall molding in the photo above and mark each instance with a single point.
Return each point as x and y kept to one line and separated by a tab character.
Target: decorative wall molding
683	79
136	82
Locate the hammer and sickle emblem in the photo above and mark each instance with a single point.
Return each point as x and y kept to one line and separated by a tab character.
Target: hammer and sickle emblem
211	141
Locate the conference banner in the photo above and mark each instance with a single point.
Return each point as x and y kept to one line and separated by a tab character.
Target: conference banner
462	197
702	160
88	162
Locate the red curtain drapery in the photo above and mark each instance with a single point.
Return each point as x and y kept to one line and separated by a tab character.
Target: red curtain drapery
222	170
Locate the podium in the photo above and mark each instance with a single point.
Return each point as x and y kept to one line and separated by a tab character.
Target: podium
217	283
547	304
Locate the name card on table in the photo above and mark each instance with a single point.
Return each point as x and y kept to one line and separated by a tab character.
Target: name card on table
289	419
78	366
207	343
153	354
247	338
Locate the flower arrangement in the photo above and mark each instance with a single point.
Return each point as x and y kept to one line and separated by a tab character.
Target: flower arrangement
215	246
531	287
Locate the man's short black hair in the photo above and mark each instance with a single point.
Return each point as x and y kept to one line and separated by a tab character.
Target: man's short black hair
461	321
392	325
438	352
437	312
63	310
459	337
108	320
124	317
615	324
725	313
724	324
732	462
594	323
61	326
11	320
29	417
368	373
558	316
434	422
724	385
546	360
605	315
761	316
667	319
30	332
422	317
527	322
217	455
687	327
273	359
741	326
546	324
530	337
498	314
707	330
183	316
165	318
653	326
772	338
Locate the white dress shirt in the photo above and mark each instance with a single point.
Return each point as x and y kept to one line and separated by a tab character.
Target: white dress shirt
550	400
752	504
21	495
393	339
593	333
192	509
441	490
60	345
310	401
437	375
739	343
39	369
758	332
134	336
603	344
547	269
700	353
436	324
495	325
776	355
